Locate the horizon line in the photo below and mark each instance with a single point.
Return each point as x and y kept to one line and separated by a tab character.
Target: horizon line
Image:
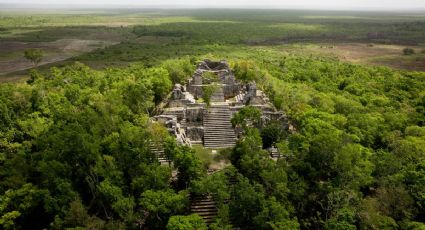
40	6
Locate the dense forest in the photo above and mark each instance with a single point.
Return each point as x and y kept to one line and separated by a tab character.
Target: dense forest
76	136
74	150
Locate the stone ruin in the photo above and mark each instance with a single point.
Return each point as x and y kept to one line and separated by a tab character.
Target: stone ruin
193	122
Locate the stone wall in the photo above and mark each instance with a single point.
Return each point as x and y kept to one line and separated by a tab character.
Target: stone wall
195	90
231	90
195	115
195	134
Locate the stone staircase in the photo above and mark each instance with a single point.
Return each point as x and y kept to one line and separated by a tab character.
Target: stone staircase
205	207
218	131
158	150
274	153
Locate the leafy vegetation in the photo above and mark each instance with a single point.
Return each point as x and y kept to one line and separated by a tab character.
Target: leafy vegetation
208	91
75	142
34	55
408	51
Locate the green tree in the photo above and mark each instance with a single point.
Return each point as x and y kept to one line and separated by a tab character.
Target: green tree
189	167
246	71
208	91
247	117
34	55
191	222
344	220
161	205
21	206
161	83
272	133
408	51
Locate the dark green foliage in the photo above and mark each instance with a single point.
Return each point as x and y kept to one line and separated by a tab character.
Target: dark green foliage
188	165
75	151
272	133
247	117
355	152
34	55
186	223
75	142
210	78
160	205
207	92
252	210
408	51
247	71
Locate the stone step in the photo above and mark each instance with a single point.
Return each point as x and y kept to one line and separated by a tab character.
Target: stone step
213	125
218	133
158	150
218	127
221	146
217	139
218	114
217	110
221	127
224	142
216	130
218	106
211	112
203	201
222	120
205	207
211	213
220	143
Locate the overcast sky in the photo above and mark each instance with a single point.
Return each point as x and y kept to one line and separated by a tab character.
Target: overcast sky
301	4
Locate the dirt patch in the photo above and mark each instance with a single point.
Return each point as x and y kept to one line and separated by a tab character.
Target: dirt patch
375	54
220	165
13	60
358	52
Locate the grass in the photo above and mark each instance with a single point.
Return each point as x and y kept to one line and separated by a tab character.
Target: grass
205	155
217	161
153	36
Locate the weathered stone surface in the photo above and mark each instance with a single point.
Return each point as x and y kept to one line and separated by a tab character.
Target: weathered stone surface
218	129
177	92
195	115
194	122
195	134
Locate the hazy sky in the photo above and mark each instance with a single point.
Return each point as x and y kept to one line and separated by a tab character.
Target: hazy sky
303	4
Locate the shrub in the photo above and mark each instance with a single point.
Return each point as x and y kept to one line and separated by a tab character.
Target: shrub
193	221
408	51
208	91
